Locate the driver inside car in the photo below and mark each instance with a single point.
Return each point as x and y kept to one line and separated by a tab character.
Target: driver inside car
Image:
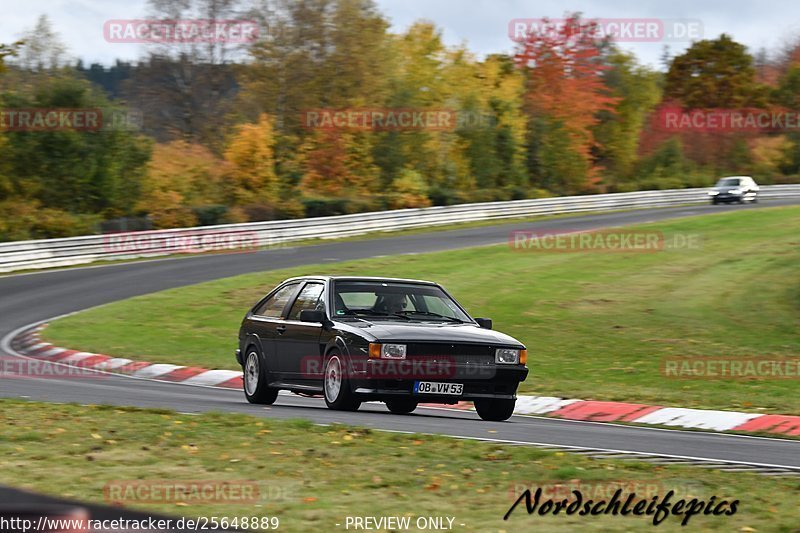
393	303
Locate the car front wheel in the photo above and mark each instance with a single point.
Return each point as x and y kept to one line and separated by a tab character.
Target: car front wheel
255	380
495	409
336	386
400	406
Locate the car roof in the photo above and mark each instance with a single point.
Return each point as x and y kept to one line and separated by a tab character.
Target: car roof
360	278
740	177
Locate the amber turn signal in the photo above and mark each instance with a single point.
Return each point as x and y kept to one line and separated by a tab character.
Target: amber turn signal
374	350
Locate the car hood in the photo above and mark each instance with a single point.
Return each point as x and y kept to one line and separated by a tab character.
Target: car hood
385	331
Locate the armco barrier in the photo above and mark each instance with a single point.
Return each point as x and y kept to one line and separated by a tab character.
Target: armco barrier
81	250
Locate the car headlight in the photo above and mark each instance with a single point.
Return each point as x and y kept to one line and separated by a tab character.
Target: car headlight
387	351
507	356
713	193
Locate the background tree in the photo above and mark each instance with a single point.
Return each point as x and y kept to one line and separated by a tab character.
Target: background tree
183	88
638	90
41	47
252	181
185	186
565	94
714	73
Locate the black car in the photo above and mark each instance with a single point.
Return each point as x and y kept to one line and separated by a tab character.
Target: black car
355	339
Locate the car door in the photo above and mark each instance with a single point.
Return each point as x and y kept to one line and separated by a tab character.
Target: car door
299	344
268	322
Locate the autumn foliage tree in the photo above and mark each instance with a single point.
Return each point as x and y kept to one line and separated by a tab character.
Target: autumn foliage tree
252	179
182	179
339	164
566	91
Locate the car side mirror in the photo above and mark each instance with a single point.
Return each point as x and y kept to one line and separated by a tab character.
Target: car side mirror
485	323
313	315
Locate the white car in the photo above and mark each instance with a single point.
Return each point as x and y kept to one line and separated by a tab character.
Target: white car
734	189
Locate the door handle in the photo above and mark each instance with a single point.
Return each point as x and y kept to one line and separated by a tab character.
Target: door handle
280	329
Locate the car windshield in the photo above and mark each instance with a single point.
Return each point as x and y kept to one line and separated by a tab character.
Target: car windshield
395	301
728	182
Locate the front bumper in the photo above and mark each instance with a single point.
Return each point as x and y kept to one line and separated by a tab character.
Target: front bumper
727	197
499	382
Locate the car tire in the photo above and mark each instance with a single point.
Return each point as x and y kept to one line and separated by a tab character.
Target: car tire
494	409
714	202
335	385
255	379
401	406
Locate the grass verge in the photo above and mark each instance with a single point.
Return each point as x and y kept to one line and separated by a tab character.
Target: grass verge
312	476
597	325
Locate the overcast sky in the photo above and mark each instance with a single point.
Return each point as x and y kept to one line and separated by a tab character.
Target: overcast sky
481	24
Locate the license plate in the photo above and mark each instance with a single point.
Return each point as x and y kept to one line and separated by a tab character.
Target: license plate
434	387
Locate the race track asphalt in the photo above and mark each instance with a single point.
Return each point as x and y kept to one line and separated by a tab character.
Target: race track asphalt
34	297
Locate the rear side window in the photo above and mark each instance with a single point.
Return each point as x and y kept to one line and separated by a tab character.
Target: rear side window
273	306
309	298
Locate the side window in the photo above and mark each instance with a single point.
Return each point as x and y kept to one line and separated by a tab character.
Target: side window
274	305
309	298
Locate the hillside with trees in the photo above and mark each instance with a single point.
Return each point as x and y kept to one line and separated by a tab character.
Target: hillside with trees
218	133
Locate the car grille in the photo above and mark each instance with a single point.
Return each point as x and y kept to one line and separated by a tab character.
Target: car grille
472	353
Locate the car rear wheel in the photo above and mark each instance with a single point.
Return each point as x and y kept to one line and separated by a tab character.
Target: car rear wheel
336	386
255	380
401	406
495	409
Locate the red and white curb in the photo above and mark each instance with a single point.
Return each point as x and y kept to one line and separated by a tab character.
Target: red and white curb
29	343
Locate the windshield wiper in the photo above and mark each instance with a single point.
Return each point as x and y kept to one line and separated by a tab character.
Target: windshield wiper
437	315
370	312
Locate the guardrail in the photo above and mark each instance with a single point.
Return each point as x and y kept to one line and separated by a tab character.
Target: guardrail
123	246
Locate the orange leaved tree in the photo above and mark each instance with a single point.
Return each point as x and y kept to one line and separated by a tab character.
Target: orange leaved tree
565	92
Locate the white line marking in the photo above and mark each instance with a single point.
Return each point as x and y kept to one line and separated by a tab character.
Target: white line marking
156	370
212	377
77	358
623	452
696	418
